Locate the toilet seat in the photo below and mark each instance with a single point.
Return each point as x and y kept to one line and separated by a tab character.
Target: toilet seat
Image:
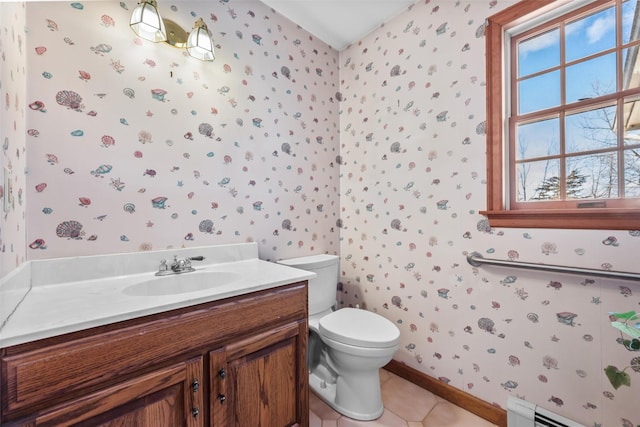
360	328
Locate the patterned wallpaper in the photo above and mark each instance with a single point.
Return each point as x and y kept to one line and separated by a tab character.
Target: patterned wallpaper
136	146
412	183
378	149
13	83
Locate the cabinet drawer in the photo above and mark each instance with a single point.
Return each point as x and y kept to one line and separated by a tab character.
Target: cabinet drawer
65	369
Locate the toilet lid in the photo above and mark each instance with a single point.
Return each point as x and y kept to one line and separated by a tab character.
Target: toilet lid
361	328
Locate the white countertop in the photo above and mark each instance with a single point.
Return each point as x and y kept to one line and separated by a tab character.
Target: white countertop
53	309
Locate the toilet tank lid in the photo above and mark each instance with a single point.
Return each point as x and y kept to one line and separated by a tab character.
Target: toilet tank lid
315	261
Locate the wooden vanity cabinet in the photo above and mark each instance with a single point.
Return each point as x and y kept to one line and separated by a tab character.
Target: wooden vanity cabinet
239	362
165	397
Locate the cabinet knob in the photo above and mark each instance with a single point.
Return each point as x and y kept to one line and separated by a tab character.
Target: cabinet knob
195	385
222	373
195	412
222	397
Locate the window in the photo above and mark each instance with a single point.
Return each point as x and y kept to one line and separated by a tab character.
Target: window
563	115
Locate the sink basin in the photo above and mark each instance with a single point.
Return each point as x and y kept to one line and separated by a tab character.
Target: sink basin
181	283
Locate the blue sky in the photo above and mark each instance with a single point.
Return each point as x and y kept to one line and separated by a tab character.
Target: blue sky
587	36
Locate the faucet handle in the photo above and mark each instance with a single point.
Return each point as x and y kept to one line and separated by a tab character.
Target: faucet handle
163	268
196	258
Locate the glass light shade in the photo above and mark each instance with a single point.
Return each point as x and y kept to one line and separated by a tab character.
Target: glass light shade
199	43
147	23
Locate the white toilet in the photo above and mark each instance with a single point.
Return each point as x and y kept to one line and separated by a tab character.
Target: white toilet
346	347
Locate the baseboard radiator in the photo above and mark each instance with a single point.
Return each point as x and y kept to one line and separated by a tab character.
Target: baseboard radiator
521	413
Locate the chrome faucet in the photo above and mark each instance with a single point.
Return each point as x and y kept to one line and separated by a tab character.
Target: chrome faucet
177	266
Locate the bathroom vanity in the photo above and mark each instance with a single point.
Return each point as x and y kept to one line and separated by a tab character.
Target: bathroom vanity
219	358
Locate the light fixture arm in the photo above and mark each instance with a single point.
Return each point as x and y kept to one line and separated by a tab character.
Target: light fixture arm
147	23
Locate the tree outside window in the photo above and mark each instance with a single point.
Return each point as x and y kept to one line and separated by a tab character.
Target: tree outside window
564	152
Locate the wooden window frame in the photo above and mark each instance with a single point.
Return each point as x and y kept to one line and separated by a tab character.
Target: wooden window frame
497	211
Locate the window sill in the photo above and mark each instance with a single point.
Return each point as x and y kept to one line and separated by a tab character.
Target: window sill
597	219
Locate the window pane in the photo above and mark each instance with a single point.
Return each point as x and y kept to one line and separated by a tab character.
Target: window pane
539	53
630	68
539	92
593	177
590	79
538	180
591	130
632	173
538	139
591	34
632	121
629	21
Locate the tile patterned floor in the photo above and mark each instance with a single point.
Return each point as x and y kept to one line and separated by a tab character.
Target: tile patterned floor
405	405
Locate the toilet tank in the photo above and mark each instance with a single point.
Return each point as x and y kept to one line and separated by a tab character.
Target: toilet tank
322	289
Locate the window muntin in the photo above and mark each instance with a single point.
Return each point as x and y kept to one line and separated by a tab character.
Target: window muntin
567	144
502	167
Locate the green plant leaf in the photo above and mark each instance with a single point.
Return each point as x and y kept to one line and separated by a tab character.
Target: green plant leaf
616	377
632	345
626	316
632	331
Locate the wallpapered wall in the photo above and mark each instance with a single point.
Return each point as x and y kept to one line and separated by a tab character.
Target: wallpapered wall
413	181
408	107
13	83
135	146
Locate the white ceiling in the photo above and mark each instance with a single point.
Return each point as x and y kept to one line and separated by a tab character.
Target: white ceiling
339	22
336	22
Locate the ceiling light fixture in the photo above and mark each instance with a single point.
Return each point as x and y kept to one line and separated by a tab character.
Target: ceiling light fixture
147	23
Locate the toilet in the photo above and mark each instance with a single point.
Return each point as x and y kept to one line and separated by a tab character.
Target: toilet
346	347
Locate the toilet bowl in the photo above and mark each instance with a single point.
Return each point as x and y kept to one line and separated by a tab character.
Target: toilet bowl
346	347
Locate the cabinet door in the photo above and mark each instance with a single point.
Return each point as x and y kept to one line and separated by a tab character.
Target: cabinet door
267	379
167	397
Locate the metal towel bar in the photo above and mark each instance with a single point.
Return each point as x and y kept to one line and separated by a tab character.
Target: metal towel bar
476	259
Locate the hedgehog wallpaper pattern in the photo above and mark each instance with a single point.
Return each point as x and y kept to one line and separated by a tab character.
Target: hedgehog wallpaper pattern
376	152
